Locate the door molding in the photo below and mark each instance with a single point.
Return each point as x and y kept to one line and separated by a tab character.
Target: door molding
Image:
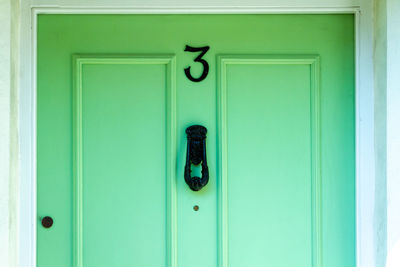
313	61
169	62
364	99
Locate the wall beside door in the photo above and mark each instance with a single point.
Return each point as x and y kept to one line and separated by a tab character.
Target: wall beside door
393	129
9	149
5	82
380	129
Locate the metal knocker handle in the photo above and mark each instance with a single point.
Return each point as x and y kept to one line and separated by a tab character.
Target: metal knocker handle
196	154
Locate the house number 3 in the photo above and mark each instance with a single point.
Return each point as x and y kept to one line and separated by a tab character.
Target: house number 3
199	59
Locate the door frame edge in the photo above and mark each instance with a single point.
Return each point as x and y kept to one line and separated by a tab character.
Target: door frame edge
364	110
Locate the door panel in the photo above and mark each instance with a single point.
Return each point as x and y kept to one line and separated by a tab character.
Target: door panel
272	167
117	143
113	106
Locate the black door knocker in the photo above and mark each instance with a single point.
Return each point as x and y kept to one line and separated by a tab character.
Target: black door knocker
196	154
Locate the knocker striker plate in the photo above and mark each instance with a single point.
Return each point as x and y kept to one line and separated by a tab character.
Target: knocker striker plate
196	154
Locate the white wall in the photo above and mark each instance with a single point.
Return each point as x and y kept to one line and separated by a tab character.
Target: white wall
5	85
387	131
380	81
14	138
393	131
8	132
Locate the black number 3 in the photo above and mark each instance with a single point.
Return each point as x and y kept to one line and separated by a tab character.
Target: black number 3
198	59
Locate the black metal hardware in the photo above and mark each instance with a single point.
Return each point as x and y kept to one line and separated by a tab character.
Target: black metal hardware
196	154
206	67
47	222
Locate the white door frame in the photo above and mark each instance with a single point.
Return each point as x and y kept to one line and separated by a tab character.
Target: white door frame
365	157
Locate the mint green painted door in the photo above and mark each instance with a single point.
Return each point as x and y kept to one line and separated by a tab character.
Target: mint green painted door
113	105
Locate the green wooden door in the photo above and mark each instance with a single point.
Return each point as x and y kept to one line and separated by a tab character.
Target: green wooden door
113	105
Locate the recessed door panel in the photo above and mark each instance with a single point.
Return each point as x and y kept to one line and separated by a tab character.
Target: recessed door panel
270	174
123	172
